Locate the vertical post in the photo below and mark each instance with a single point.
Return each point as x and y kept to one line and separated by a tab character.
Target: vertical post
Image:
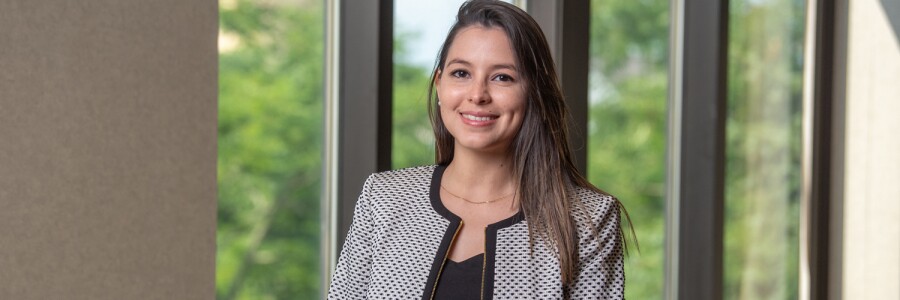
365	76
329	209
815	223
566	25
697	149
835	256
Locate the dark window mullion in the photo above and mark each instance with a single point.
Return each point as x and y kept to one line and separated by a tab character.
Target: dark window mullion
566	24
697	150
365	75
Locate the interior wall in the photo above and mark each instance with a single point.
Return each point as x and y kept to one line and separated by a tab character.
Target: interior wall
871	207
108	149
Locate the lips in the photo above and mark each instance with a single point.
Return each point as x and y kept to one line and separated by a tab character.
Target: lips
478	118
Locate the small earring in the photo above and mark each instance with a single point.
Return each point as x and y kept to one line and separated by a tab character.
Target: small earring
439	102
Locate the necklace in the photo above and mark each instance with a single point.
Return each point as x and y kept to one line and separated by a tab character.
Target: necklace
475	202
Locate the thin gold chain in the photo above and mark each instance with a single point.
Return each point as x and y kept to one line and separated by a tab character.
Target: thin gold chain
475	202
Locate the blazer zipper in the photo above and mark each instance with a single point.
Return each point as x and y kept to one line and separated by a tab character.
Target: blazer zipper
444	262
483	265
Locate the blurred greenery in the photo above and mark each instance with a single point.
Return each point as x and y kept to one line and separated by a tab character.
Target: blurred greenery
270	138
413	139
627	127
763	140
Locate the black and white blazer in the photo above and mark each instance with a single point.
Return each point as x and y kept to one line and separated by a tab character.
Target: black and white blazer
401	233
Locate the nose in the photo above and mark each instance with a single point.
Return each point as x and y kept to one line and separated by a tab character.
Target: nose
479	93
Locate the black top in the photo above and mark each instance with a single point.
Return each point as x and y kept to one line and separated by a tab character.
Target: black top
485	287
461	280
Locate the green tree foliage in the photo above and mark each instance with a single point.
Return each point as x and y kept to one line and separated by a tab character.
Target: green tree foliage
413	139
627	128
627	138
270	138
763	149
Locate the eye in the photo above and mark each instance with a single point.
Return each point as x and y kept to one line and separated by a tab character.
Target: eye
459	74
503	77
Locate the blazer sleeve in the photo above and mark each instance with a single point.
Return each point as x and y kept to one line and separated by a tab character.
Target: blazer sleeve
600	273
353	273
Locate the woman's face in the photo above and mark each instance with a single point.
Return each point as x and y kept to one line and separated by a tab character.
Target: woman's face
482	95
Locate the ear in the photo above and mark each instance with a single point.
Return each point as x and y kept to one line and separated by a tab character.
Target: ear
437	79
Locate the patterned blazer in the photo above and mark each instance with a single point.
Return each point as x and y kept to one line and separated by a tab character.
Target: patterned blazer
401	233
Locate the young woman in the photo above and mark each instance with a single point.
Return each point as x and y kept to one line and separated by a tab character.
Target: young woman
504	214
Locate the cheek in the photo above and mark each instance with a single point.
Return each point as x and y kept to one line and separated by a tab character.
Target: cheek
444	116
520	107
447	115
444	100
517	102
450	95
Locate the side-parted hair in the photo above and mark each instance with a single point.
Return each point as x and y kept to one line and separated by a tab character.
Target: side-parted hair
541	155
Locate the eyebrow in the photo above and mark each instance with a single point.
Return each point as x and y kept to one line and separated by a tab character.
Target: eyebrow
494	67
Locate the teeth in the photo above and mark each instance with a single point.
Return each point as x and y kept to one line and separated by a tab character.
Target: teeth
474	118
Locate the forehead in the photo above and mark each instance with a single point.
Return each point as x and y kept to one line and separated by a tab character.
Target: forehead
482	44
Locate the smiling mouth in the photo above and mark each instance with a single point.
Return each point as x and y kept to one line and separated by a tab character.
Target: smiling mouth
477	118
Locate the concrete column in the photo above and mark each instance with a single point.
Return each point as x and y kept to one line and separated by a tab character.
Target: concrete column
871	224
108	149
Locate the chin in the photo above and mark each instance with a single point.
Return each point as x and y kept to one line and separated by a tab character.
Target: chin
480	146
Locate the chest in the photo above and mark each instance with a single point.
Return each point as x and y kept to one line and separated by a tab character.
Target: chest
409	257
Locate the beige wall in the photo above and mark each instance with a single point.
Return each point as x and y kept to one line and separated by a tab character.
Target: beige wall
107	149
871	241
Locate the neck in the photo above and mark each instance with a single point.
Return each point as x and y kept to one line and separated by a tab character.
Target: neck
480	174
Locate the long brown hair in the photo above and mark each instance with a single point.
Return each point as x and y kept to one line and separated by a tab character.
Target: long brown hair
541	154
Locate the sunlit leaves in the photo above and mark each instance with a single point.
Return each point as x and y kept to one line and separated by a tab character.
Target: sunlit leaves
270	120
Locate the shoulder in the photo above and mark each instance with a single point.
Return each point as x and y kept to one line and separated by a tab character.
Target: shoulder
595	203
403	176
405	180
596	213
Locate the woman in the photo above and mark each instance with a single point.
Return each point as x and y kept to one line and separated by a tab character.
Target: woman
504	214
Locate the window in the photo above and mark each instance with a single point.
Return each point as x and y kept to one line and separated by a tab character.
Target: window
763	149
270	149
627	126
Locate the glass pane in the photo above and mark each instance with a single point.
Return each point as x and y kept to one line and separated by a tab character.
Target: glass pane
270	140
627	126
763	149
